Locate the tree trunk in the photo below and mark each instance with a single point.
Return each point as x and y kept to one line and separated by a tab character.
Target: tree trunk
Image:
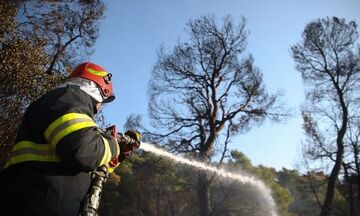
203	194
350	191
203	182
357	166
330	191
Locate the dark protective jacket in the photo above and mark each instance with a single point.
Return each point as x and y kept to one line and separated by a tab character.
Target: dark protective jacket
57	146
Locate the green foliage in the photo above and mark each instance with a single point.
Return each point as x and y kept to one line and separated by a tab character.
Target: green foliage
302	190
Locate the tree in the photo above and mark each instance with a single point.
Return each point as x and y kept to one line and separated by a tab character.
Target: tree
328	61
67	29
40	41
207	90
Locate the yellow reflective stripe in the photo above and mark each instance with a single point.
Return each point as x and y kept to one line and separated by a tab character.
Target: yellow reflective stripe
29	151
107	152
65	125
63	119
70	130
28	144
97	73
31	157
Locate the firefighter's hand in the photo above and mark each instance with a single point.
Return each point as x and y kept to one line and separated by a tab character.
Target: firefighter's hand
127	147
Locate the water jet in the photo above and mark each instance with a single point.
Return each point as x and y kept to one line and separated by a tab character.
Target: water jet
243	179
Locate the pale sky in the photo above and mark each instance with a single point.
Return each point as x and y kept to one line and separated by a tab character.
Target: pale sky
133	31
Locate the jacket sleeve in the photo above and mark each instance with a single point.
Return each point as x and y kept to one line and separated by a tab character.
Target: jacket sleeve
79	143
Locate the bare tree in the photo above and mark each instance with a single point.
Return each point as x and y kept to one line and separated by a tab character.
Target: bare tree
205	91
328	61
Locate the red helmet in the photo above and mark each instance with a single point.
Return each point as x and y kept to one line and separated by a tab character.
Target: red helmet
98	75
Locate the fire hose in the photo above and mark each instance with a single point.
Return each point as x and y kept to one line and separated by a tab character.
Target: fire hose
99	177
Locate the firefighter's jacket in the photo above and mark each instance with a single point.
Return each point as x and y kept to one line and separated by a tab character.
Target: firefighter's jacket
57	146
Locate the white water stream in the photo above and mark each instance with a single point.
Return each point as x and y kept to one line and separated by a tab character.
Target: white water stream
259	185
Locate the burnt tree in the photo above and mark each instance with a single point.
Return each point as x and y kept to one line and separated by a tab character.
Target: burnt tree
207	90
328	61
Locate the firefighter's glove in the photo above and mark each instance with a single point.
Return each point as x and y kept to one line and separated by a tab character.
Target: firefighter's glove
128	145
114	161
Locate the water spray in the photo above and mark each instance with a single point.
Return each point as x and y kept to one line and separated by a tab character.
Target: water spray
243	179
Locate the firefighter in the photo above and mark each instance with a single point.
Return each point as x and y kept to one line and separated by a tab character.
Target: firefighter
58	145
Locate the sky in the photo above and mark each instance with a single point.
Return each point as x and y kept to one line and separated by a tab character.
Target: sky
133	30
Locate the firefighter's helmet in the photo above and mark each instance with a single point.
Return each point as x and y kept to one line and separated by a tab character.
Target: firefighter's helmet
98	75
